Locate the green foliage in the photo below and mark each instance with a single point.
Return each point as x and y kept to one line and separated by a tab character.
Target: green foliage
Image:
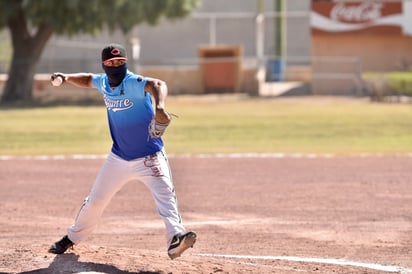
7	9
88	16
401	81
389	83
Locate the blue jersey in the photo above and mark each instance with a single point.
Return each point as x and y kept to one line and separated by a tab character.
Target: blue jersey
129	111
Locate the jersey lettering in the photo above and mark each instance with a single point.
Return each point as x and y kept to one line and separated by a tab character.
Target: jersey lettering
117	104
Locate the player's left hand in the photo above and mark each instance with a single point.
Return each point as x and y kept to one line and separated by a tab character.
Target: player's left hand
160	122
156	129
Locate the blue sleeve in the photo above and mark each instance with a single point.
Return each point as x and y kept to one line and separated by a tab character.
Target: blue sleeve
136	82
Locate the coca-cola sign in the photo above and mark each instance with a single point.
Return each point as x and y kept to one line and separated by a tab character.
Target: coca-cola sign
363	12
377	16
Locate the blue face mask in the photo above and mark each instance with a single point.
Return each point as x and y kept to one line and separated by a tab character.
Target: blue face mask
115	74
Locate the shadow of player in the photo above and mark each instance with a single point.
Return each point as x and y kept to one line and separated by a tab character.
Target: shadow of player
69	263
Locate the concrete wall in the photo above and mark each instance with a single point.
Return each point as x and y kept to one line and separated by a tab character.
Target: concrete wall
355	54
179	81
383	52
188	80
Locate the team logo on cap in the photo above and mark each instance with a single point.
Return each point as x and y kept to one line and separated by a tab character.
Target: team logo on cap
115	51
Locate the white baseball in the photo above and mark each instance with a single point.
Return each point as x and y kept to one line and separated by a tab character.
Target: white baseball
57	81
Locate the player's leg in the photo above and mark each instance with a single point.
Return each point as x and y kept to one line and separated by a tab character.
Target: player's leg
112	176
156	174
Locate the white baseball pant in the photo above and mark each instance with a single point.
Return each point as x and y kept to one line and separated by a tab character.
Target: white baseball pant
153	171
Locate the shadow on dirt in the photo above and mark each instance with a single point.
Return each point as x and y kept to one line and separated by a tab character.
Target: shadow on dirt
69	263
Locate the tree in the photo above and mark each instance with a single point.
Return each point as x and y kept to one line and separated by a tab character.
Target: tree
32	22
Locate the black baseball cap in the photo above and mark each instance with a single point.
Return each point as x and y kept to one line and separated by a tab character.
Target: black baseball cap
113	51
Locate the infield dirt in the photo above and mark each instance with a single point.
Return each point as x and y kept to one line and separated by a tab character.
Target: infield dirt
357	209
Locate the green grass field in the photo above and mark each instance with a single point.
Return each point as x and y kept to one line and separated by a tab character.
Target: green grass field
222	124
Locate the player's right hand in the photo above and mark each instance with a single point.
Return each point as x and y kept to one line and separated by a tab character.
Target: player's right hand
57	74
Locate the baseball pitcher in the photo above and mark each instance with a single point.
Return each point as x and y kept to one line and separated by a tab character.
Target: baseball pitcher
136	126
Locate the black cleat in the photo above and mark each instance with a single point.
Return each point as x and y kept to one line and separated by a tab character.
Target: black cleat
180	243
61	246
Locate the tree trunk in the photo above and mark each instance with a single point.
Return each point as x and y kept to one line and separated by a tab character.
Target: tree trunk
19	86
27	51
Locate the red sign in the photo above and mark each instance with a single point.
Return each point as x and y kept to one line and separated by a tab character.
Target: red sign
371	16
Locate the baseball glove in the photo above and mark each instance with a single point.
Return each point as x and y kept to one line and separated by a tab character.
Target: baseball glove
156	129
